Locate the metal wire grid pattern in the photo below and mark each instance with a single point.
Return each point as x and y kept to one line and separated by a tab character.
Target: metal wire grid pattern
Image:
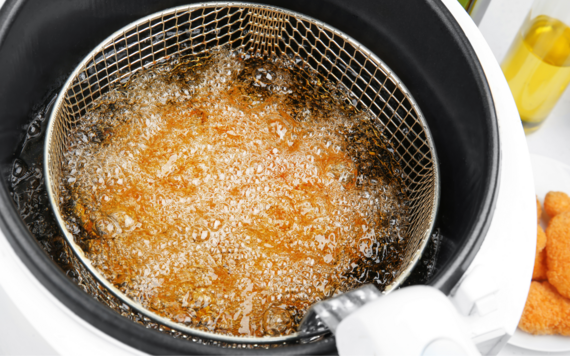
91	286
314	46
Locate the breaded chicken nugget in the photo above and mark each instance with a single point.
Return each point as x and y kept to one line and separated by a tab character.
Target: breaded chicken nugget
540	239
564	326
544	310
538	211
539	271
556	203
558	253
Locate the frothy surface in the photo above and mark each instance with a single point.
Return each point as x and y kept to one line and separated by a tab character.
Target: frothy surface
218	194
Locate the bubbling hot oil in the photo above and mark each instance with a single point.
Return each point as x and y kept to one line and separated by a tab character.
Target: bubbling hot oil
229	194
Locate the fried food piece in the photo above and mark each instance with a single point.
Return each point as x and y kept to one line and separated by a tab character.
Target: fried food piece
556	203
545	311
538	211
539	271
564	326
558	253
540	239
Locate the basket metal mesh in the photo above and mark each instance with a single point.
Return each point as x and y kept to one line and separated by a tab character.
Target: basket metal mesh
199	28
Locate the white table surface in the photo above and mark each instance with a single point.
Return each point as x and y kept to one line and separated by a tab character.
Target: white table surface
499	26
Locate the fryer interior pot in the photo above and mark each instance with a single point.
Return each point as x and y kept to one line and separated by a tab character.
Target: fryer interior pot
199	29
42	42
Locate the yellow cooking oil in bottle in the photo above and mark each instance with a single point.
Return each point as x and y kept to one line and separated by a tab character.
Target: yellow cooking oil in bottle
537	68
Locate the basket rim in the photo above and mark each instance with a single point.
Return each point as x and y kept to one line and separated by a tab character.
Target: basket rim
137	306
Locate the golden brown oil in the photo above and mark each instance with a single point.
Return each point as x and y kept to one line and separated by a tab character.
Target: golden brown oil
229	196
537	68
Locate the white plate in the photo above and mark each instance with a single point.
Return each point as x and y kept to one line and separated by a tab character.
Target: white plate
549	174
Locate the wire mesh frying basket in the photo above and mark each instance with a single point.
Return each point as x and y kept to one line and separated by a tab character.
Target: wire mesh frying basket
197	29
